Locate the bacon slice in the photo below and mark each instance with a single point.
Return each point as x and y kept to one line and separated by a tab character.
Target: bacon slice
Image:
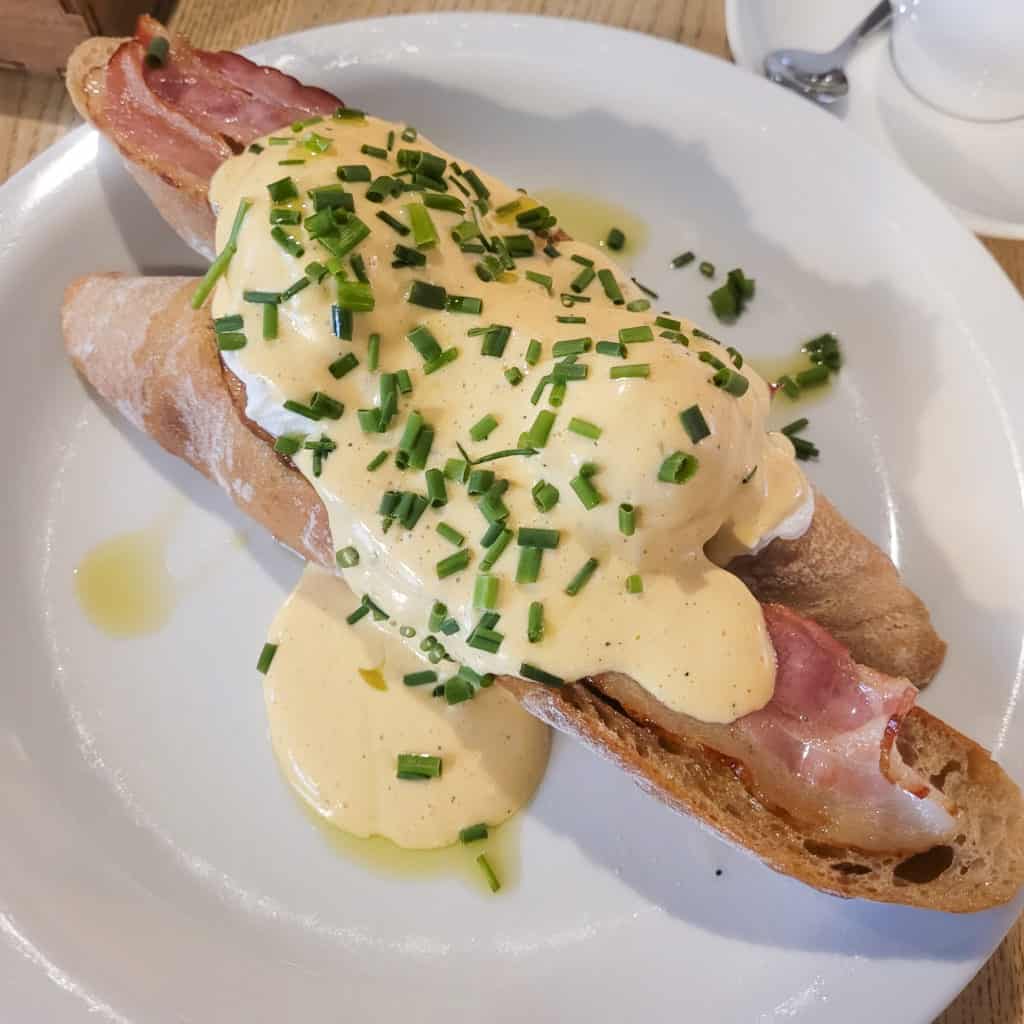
189	115
823	749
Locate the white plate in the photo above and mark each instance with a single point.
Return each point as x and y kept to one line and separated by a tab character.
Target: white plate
975	167
153	867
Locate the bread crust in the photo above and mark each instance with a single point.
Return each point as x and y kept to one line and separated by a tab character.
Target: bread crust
982	867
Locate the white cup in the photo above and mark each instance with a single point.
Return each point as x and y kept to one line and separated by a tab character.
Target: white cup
965	57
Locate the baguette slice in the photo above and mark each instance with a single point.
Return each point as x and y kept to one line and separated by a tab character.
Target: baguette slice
146	351
982	867
143	348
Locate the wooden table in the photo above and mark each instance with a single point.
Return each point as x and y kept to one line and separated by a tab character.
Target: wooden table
35	112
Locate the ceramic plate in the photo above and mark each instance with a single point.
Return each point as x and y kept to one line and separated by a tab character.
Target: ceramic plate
153	866
975	167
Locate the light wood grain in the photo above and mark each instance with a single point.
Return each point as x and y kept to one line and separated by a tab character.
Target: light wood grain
34	112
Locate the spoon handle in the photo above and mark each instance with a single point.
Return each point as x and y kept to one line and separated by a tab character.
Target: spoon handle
878	16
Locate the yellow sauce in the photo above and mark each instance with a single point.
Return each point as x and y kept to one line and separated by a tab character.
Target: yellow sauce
123	585
337	738
695	637
588	219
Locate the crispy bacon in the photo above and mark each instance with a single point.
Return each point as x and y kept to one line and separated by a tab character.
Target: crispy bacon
823	749
187	116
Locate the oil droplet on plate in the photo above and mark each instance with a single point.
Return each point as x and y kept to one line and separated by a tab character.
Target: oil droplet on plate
123	585
589	219
382	857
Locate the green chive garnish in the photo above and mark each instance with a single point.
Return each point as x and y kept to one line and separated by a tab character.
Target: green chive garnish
611	286
585	491
464	304
537	537
535	623
538	675
347	557
355	297
544	280
354	172
485	865
220	264
545	495
615	240
377	461
633	335
228	324
437	492
580	282
627	519
677	468
483	428
796	426
528	568
572	347
485	591
377	151
423	230
265	658
736	384
707	269
579	581
630	370
812	377
682	259
496	549
634	584
473	833
453	563
514	375
541	429
430	296
282	189
418	766
694	423
287	444
451	535
456	470
421	678
447	356
424	342
231	341
324	405
533	352
584	428
611	348
156	52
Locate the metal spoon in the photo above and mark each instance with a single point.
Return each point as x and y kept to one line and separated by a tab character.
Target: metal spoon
820	76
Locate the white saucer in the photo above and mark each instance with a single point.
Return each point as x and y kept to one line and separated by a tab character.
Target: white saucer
974	167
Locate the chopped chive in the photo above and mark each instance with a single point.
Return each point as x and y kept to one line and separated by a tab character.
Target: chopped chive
638	305
588	494
287	444
736	384
579	581
282	189
421	450
324	405
439	201
495	549
381	187
347	557
476	184
571	319
615	240
494	341
423	230
485	865
571	347
282	216
483	428
533	352
584	428
392	222
677	468
485	591
354	172
377	461
220	264
406	257
341	323
812	377
538	675
294	288
418	766
796	426
449	355
694	423
804	449
528	568
647	291
228	324
682	259
633	335
332	197
627	519
437	492
438	613
473	833
491	534
464	304
156	52
789	387
545	495
373	352
346	364
302	410
232	341
541	428
409	134
450	534
611	348
611	286
582	280
514	375
430	296
544	280
518	245
634	584
707	269
582	260
265	658
355	296
377	151
479	481
535	622
630	370
421	678
453	563
359	268
537	537
456	470
424	342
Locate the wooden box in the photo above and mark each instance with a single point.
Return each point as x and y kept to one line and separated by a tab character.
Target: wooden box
38	35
